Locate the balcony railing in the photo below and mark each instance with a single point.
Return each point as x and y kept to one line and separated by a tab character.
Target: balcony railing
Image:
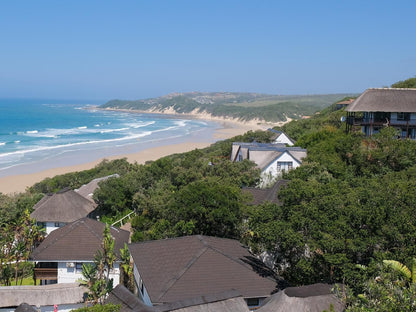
46	273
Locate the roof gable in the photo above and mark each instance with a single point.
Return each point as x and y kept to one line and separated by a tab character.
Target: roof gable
385	100
64	206
177	269
78	240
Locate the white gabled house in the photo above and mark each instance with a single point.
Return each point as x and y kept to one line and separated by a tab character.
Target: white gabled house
59	258
272	159
279	137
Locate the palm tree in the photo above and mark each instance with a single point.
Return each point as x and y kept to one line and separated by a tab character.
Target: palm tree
397	266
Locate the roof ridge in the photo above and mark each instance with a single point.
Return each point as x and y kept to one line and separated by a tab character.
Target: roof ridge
184	269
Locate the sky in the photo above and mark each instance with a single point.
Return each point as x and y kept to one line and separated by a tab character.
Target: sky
106	50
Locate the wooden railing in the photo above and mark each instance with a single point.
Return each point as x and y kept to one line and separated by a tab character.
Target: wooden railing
46	273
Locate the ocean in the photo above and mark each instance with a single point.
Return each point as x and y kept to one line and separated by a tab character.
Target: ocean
37	135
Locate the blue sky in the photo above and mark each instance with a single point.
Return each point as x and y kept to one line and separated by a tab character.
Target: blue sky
138	49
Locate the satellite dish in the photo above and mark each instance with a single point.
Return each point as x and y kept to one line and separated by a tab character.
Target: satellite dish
342	118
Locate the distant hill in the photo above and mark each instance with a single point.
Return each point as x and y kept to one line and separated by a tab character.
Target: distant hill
241	106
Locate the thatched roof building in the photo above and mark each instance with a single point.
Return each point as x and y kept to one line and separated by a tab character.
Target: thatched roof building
310	298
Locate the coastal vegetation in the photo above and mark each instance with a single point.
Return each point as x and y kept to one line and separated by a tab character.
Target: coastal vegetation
348	207
241	106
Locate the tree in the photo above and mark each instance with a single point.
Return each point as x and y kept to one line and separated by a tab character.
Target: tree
389	291
96	276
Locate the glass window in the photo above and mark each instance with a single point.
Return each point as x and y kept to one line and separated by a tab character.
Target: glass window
78	267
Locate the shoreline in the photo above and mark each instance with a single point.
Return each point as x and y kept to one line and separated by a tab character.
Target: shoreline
17	183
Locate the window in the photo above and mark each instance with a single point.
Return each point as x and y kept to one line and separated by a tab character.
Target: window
284	165
78	267
403	116
253	302
59	224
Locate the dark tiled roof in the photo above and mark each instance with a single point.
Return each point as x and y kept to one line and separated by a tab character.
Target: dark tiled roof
269	194
312	298
64	206
385	100
128	301
186	267
75	241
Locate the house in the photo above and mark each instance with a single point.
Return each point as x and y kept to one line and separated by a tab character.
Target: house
281	137
177	269
343	104
55	210
378	108
272	159
87	190
227	301
59	258
309	298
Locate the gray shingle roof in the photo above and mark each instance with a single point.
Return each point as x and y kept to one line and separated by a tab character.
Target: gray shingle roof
190	266
64	206
385	100
128	301
269	194
75	241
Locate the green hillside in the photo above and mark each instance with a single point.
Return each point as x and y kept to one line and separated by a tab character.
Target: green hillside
243	106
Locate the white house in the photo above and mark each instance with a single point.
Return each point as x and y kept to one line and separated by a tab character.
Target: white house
280	137
59	258
272	159
55	210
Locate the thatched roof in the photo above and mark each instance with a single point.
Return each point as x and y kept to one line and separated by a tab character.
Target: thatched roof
385	100
310	298
77	241
87	190
64	206
12	296
191	266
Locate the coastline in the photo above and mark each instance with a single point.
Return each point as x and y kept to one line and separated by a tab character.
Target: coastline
18	183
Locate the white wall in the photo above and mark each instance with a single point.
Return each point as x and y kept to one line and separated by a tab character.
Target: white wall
270	173
283	138
70	275
139	282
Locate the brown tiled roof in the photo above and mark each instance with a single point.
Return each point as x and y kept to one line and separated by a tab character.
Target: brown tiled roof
269	194
78	240
312	298
385	100
190	266
64	206
120	295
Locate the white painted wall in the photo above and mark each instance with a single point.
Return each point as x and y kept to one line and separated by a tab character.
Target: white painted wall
270	173
72	275
138	281
283	138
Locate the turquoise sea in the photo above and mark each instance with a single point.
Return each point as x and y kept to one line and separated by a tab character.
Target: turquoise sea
41	134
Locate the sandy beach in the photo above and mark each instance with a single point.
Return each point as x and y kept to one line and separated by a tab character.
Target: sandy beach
18	183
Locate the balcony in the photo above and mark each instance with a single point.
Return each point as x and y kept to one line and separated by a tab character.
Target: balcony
46	273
